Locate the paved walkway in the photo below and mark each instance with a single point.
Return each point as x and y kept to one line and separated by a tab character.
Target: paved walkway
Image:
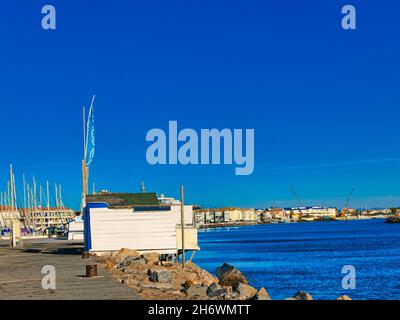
21	277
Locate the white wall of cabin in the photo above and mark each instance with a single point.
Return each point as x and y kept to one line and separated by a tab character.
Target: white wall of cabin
113	229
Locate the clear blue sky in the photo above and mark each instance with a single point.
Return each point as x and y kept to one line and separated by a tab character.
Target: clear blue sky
324	102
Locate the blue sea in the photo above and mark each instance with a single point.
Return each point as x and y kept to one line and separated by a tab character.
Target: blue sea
286	258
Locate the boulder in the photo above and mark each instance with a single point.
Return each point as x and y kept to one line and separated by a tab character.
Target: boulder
160	275
129	260
302	295
229	276
344	297
262	294
232	296
103	258
196	291
151	257
215	290
157	285
188	284
135	267
245	290
124	252
200	276
109	259
229	289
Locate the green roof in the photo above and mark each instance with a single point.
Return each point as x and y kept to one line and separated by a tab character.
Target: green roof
125	199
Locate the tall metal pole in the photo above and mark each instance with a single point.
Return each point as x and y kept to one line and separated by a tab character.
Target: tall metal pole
40	197
183	226
48	195
84	131
56	192
11	189
3	223
24	182
34	194
85	171
28	190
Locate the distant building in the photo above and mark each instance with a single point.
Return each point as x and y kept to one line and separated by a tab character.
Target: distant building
225	215
39	219
278	213
167	200
311	212
374	212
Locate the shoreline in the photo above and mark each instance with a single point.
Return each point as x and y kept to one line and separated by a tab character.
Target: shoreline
243	224
156	279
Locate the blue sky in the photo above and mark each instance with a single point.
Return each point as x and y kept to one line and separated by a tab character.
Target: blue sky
324	102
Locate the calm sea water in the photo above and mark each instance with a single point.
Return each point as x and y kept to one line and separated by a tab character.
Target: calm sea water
286	258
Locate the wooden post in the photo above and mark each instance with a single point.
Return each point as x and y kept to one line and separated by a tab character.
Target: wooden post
183	227
85	171
84	178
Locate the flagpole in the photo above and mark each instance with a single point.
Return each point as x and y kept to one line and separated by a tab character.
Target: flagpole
84	167
85	164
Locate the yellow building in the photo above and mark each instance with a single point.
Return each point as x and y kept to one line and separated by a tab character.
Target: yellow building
225	215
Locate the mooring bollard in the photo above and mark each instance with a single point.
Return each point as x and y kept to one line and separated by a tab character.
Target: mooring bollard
91	270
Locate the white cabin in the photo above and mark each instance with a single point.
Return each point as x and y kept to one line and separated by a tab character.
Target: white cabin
144	228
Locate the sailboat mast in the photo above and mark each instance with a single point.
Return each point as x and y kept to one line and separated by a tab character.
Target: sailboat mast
40	197
24	183
34	193
48	195
56	192
11	189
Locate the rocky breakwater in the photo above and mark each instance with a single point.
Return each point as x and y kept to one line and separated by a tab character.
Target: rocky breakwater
156	279
395	219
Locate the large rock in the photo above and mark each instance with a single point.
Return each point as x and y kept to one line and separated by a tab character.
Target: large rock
131	260
160	275
109	259
157	285
344	297
196	291
245	290
151	257
215	290
230	276
188	284
124	252
262	294
137	267
302	295
200	276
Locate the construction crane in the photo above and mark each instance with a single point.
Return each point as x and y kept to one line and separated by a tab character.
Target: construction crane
345	209
298	199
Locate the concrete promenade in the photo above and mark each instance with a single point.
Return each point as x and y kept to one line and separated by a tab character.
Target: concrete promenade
21	277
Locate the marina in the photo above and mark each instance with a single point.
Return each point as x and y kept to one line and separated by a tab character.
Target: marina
39	211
